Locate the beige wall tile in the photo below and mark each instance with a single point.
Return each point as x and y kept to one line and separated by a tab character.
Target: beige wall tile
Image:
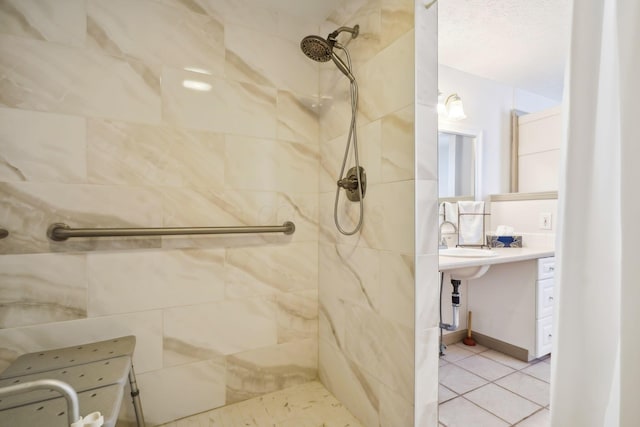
427	233
145	326
271	270
270	165
398	145
206	326
297	117
393	64
155	33
396	294
42	288
60	79
38	19
176	392
272	368
356	390
29	209
380	347
126	282
218	105
42	147
131	154
297	315
282	65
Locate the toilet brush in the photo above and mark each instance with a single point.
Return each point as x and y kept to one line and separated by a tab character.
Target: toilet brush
468	340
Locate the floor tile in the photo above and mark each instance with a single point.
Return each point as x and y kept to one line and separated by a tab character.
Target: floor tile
505	359
442	362
539	419
445	394
305	405
527	386
459	412
459	380
454	353
486	368
502	403
539	370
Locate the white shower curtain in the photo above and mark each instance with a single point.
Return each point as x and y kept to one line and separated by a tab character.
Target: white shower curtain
596	361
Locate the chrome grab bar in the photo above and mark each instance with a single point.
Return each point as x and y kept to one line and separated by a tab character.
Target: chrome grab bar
60	232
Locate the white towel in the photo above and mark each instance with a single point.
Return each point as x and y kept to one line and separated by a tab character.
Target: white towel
470	227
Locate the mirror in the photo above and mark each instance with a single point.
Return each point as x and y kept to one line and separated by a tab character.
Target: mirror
456	165
459	164
498	62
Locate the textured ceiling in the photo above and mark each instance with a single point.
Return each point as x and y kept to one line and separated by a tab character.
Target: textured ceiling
519	42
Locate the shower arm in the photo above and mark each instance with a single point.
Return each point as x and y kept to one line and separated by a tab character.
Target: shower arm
354	32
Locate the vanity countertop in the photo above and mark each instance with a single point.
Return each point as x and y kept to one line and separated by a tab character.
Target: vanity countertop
504	255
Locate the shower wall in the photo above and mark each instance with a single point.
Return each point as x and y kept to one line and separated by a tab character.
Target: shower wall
367	282
163	113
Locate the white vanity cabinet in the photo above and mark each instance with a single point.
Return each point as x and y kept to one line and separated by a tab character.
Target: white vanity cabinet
544	305
512	305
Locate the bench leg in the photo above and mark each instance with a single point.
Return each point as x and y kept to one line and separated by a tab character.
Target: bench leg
135	396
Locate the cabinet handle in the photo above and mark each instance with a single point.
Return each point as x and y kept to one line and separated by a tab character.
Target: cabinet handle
550	298
552	268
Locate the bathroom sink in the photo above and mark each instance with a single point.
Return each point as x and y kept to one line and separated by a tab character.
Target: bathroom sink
467	252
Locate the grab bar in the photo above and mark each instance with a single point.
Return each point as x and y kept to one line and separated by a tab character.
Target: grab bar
60	232
3	233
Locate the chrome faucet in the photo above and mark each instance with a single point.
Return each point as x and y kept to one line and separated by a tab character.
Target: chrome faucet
441	239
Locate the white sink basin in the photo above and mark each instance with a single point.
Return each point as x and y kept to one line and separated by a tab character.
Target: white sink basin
467	252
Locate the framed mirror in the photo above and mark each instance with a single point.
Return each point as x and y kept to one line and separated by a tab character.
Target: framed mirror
458	163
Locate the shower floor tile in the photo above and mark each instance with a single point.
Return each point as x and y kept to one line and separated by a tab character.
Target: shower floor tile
305	405
498	389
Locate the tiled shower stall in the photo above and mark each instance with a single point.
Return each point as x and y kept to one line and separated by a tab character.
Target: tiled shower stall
100	126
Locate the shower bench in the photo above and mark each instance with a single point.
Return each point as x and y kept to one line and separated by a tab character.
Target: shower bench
96	371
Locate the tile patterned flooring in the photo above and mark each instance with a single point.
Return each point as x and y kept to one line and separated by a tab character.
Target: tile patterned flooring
483	387
478	387
304	405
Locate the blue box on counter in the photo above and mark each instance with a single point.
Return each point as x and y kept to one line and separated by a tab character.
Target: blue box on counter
504	241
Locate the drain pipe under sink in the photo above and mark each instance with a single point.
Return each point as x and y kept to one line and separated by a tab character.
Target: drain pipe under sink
455	303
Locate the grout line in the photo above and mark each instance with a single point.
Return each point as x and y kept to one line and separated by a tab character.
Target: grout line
529	364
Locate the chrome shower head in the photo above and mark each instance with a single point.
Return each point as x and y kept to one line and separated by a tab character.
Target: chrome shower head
321	50
317	48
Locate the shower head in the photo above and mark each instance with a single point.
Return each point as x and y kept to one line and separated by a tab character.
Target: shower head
317	48
321	50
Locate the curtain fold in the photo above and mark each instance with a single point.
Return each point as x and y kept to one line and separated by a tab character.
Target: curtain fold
596	339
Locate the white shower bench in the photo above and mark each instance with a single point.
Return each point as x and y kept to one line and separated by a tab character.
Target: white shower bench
97	371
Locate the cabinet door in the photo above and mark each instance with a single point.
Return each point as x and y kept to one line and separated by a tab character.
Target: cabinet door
544	306
544	336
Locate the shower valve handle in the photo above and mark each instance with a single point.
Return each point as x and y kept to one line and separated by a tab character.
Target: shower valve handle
348	183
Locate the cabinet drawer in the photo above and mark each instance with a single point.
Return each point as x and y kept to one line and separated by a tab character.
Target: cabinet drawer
544	336
544	291
546	267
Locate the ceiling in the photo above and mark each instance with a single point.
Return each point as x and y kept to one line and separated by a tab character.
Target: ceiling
518	42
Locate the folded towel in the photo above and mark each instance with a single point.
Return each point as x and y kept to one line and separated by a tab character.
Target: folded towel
471	227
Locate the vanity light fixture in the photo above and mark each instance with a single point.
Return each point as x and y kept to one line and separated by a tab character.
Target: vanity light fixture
450	108
455	111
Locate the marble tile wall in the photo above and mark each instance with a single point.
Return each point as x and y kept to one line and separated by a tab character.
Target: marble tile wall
102	125
426	167
378	346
